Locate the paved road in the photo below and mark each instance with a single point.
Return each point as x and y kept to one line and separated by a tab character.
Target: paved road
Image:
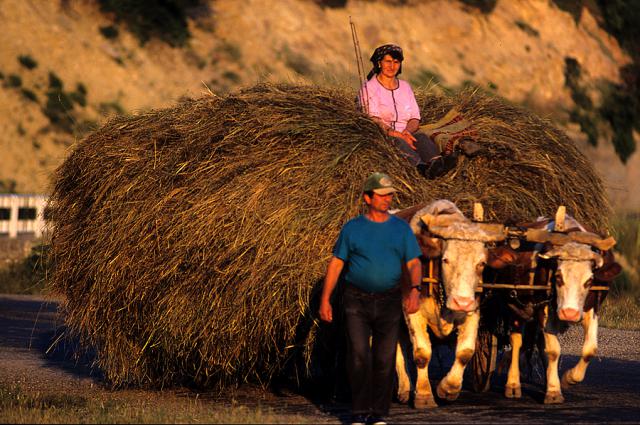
610	392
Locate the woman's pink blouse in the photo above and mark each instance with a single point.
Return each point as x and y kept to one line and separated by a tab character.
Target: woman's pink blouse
394	107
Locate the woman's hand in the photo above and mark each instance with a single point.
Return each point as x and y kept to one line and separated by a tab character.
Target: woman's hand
404	135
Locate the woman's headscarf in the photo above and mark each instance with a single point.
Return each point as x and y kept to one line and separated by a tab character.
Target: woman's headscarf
387	49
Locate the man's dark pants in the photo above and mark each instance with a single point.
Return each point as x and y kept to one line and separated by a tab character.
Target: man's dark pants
371	368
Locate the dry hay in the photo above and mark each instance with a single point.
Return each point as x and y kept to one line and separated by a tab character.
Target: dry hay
188	241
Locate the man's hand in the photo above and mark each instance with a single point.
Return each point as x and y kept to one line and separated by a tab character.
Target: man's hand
330	280
326	312
411	299
411	302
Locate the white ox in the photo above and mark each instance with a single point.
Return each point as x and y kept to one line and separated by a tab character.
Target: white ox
578	266
462	247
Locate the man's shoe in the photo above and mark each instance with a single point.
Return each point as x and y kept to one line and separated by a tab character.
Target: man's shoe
470	148
376	420
359	420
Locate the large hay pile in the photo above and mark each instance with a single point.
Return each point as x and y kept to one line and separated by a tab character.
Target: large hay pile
187	241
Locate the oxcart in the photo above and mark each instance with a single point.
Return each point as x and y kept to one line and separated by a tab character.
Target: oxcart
518	294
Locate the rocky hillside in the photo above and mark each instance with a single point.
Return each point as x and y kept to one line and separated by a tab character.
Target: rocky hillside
65	65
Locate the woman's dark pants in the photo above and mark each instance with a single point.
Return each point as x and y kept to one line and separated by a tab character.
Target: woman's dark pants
371	365
426	149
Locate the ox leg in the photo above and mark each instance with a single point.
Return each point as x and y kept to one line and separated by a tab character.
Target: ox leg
552	350
404	381
589	350
513	388
450	386
417	324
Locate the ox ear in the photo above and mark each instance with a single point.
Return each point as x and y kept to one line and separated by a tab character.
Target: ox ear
608	272
501	257
430	247
598	261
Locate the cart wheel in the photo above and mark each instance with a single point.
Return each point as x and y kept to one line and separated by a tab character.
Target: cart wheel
483	362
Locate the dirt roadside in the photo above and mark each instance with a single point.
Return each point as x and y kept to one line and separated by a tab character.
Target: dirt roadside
611	391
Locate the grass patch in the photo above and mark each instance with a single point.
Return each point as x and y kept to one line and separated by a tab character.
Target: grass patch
21	406
622	308
620	312
8	186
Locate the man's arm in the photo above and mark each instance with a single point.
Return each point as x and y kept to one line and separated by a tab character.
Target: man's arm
330	281
411	300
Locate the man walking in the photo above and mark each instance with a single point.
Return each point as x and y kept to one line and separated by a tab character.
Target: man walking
374	247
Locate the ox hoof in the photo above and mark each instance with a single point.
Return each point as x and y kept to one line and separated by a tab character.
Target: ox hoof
447	392
553	398
403	397
513	391
567	381
426	402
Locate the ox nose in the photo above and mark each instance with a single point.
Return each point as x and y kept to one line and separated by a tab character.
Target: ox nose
569	314
462	303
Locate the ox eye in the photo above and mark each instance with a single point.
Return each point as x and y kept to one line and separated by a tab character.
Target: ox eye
559	281
445	260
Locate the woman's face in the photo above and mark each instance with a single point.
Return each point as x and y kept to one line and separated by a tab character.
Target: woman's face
389	66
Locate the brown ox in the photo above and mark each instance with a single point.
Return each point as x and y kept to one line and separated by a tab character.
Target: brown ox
574	268
461	246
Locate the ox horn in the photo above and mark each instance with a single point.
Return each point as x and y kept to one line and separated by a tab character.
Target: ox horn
560	217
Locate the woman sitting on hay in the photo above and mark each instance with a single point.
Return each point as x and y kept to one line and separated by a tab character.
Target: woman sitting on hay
392	105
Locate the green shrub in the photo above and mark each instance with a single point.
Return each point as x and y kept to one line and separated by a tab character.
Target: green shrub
14	81
55	83
29	95
622	20
622	109
25	276
59	110
573	7
484	6
231	76
146	19
109	32
27	61
299	63
107	108
527	28
80	95
233	51
425	77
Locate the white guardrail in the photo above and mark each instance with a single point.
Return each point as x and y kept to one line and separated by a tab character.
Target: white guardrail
22	215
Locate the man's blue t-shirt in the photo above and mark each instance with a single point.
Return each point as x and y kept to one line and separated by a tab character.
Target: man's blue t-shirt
375	252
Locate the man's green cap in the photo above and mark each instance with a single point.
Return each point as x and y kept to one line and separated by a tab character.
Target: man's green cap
379	183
